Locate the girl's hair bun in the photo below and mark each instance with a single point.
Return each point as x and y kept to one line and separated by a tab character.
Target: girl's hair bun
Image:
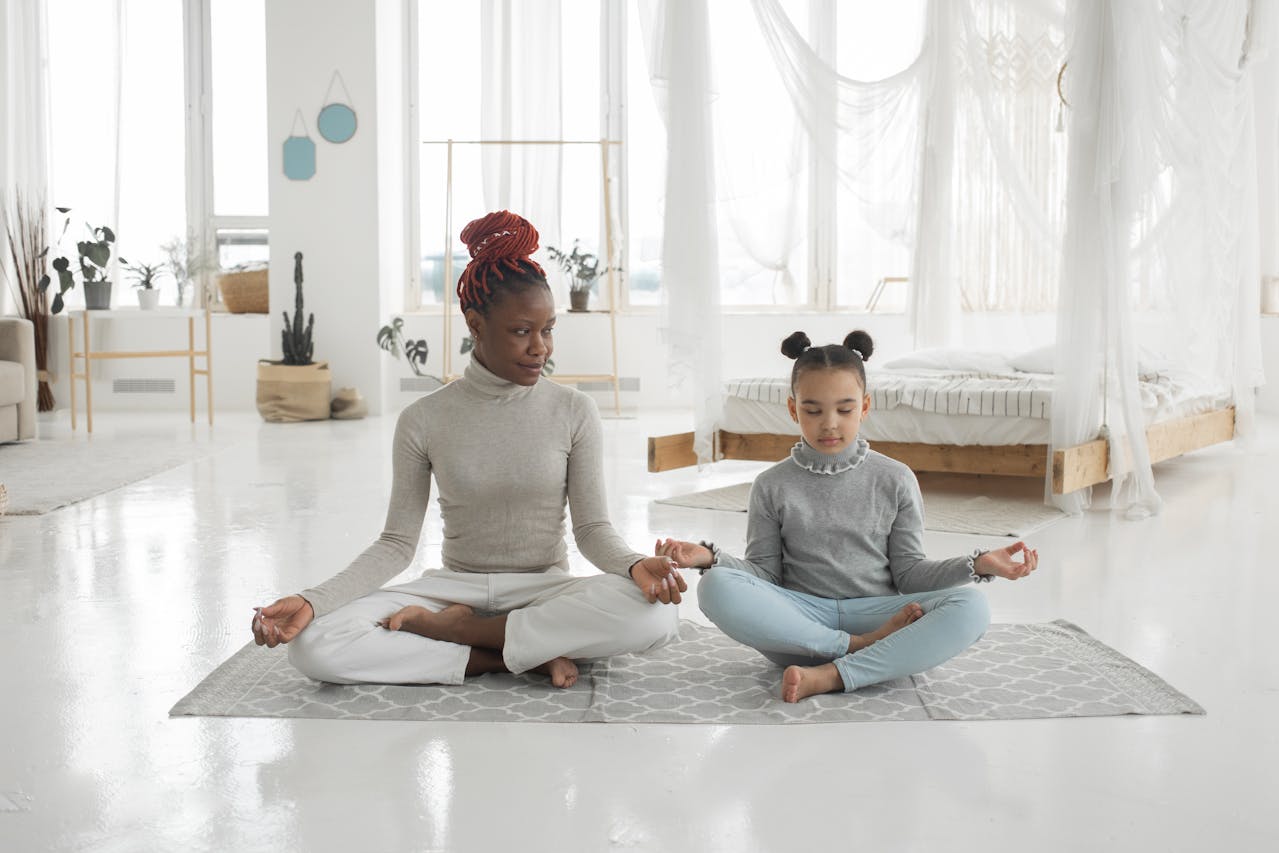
500	236
861	342
794	346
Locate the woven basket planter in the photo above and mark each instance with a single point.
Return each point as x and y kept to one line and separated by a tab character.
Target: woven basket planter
245	292
288	393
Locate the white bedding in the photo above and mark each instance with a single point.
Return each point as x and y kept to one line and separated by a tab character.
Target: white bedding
951	407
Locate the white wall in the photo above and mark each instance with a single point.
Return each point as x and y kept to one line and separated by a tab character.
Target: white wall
333	218
1268	396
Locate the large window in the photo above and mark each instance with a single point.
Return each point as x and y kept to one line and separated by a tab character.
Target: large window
237	157
873	42
506	158
121	78
117	151
774	191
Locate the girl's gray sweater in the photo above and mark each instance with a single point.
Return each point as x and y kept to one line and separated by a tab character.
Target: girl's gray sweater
844	526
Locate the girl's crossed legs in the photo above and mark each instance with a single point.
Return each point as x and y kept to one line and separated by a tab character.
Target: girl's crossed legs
527	621
828	644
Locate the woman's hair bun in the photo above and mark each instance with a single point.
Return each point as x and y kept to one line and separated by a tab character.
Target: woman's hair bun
500	236
861	342
795	344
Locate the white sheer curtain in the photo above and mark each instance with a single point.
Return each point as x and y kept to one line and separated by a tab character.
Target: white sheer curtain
1161	247
24	114
1140	222
761	164
520	99
955	156
678	38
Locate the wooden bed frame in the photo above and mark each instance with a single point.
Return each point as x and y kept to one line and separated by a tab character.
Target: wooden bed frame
1072	468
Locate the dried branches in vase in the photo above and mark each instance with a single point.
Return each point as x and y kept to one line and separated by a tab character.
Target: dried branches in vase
26	233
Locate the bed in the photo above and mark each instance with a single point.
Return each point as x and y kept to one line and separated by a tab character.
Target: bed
973	415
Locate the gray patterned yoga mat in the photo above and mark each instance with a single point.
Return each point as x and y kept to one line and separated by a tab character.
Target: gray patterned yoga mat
944	511
1052	669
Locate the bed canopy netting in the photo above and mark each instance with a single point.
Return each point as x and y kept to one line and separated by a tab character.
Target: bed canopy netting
1094	159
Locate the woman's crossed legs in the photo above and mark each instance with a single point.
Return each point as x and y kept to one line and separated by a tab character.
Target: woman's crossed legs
448	625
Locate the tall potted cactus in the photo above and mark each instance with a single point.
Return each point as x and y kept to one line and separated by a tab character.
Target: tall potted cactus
295	388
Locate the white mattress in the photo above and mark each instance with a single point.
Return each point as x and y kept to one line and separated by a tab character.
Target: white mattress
948	407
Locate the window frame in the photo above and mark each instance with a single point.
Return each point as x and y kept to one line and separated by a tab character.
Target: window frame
203	223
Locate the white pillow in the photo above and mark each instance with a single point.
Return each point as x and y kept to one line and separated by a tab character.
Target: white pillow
1039	360
1042	360
958	360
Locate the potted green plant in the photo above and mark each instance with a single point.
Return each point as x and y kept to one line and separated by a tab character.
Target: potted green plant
186	261
582	269
95	254
144	277
295	388
391	339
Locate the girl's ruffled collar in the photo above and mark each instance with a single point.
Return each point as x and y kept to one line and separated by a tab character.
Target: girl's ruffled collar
806	457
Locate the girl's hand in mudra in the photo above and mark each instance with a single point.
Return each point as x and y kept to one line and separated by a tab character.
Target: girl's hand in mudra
687	555
1000	562
657	579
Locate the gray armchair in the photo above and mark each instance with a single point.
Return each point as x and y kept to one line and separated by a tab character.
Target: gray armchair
17	379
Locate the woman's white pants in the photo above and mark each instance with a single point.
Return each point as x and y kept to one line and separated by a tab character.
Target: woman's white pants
550	614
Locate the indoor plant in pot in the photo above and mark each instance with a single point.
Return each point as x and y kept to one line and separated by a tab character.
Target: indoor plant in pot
390	338
95	254
186	261
583	270
294	388
144	279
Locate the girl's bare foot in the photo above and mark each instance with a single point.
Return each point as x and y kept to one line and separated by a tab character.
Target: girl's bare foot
800	682
419	620
563	672
896	622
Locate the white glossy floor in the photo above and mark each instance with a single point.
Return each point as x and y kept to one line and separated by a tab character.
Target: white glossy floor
112	609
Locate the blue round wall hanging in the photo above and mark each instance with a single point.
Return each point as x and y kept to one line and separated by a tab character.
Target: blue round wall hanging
336	122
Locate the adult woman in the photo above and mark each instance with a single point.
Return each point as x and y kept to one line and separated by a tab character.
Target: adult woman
507	449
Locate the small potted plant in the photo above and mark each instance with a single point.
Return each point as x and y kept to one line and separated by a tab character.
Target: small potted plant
144	279
95	254
186	262
391	339
296	388
582	269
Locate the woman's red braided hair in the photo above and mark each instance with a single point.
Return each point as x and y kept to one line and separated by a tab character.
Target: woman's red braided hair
498	241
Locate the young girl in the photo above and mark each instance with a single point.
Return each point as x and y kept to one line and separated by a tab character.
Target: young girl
507	449
834	585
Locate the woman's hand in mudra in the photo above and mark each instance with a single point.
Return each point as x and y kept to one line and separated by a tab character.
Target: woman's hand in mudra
281	621
657	579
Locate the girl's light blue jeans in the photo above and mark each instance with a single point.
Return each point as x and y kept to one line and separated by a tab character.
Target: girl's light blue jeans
794	628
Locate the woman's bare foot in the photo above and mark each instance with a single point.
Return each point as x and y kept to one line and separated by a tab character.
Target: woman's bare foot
899	620
563	672
800	682
419	620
